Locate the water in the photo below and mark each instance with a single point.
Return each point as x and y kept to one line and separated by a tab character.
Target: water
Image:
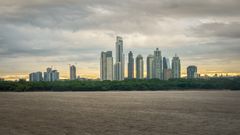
120	113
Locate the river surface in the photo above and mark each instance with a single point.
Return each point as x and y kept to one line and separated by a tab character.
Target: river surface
120	113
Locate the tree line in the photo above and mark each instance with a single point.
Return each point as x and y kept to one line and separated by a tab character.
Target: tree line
126	85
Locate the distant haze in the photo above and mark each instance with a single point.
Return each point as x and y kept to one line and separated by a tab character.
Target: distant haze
36	34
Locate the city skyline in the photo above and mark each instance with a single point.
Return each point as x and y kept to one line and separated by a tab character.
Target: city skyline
39	34
107	71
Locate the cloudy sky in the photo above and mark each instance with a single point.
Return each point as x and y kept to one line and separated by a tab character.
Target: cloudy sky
35	34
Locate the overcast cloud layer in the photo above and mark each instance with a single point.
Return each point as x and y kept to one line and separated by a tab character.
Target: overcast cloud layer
41	33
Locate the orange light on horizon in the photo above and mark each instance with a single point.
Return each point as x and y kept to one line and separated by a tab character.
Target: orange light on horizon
18	76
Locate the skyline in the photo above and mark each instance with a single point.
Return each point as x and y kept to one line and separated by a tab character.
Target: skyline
183	71
39	34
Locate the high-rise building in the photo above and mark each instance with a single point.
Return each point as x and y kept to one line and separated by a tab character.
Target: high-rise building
51	75
73	72
35	77
106	66
55	75
176	67
150	60
167	72
139	67
130	65
192	72
166	63
119	65
157	65
48	75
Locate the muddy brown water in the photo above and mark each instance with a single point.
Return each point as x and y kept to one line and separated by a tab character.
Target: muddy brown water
120	113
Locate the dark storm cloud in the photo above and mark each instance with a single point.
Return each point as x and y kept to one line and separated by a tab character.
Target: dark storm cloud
124	15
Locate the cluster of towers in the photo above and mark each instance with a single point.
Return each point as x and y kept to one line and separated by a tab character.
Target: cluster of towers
157	67
52	75
108	71
49	76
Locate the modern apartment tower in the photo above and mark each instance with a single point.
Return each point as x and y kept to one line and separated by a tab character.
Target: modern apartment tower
139	67
119	65
51	75
150	60
106	66
192	72
167	71
73	72
166	63
130	65
176	67
157	65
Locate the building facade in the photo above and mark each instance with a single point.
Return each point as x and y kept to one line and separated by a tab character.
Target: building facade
35	77
157	65
192	72
130	65
51	75
106	66
167	71
176	67
119	65
166	63
139	67
150	60
73	72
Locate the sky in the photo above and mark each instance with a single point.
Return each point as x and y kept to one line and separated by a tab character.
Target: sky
36	34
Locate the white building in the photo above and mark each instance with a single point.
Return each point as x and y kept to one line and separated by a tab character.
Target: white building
106	66
51	75
176	67
157	65
119	66
55	75
35	77
150	59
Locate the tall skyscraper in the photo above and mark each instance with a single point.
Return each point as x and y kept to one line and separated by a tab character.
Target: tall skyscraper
139	67
130	65
150	60
176	67
192	72
157	65
51	75
167	72
106	67
35	77
119	65
165	63
73	72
